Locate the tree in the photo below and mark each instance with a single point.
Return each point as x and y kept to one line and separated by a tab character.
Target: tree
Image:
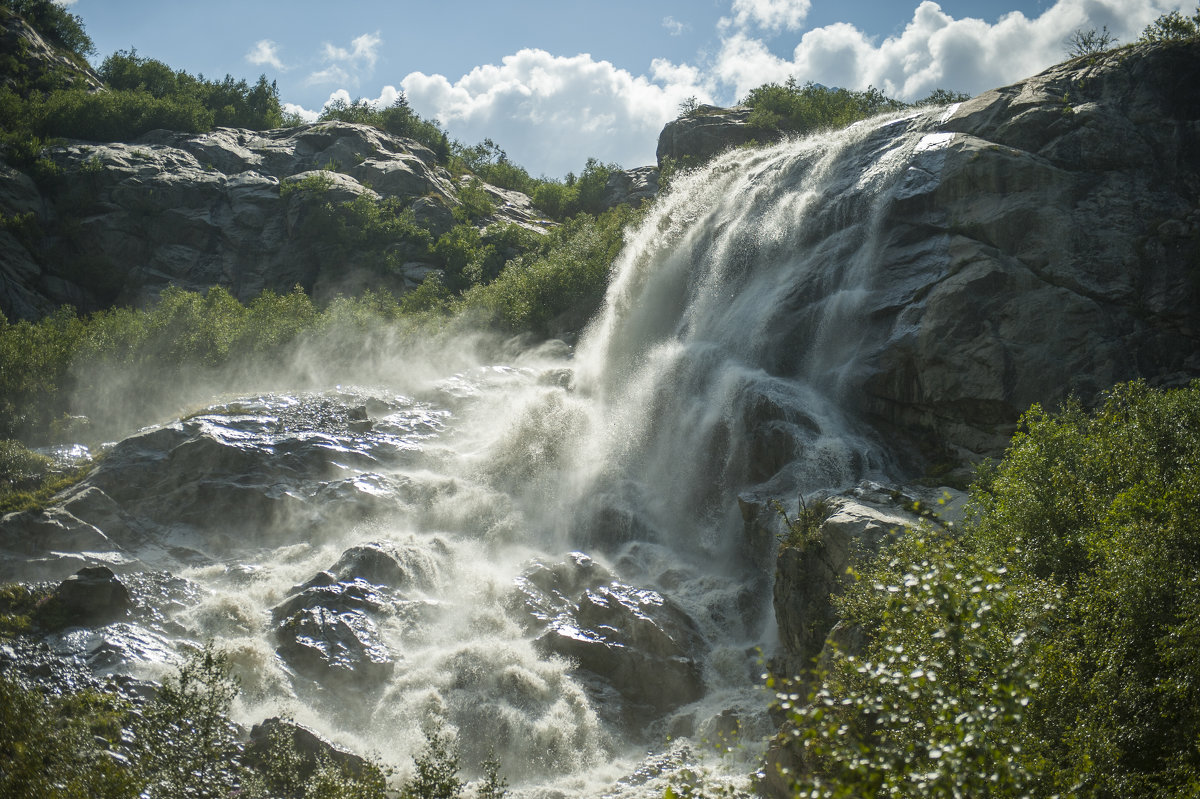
1089	42
185	744
436	770
1172	27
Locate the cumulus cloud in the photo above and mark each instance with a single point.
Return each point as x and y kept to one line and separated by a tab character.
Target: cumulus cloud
550	112
301	111
770	14
265	52
934	49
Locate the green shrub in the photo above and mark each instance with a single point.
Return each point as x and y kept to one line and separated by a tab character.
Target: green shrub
435	774
796	108
936	704
567	277
59	747
474	202
1061	625
1172	26
184	742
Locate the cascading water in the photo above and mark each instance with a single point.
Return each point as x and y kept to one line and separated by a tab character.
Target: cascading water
716	369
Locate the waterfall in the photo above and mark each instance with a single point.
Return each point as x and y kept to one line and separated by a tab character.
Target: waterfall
523	511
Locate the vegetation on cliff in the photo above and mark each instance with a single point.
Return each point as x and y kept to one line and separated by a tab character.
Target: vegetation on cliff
1050	646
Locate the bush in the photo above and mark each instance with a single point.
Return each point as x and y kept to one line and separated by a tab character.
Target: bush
184	742
936	705
795	108
61	747
1173	26
230	102
435	773
1061	624
567	277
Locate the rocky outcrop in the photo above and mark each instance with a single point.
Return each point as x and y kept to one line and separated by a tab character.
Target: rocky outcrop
230	207
312	750
696	137
93	595
1046	242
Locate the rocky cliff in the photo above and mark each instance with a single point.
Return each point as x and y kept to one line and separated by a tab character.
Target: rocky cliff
117	223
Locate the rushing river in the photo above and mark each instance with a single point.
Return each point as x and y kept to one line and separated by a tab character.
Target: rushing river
547	556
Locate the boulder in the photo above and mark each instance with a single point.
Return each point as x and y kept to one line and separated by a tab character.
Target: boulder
808	575
633	641
631	186
340	647
91	596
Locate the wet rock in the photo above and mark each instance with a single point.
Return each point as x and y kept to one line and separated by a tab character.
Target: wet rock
338	649
93	595
51	543
313	749
388	564
636	642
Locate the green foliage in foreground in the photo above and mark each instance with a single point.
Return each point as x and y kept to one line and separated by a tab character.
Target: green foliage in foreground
1052	646
181	743
94	745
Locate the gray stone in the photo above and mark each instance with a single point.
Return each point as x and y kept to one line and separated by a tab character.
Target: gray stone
93	595
696	137
636	642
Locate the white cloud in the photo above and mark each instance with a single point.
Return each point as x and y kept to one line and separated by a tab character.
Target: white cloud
346	64
304	113
265	52
65	3
674	26
770	14
331	76
363	50
551	112
934	49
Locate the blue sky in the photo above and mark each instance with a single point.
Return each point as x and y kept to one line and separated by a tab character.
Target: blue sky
556	81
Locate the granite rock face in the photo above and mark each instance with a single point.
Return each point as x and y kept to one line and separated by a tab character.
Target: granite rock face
1046	244
226	208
